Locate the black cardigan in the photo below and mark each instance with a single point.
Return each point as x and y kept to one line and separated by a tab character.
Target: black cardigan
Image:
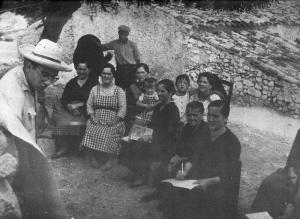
73	92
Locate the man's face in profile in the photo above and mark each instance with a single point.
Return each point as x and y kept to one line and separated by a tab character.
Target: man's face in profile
39	77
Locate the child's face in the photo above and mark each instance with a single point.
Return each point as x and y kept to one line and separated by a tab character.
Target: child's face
182	86
149	90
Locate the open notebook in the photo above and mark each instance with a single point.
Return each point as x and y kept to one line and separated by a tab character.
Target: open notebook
187	184
259	215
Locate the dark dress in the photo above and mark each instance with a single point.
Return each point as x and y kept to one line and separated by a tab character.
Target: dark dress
73	92
221	159
63	118
132	154
137	156
275	191
165	125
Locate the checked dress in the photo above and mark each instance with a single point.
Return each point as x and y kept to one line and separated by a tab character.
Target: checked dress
100	136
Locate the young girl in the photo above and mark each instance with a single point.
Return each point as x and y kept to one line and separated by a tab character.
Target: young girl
182	96
148	100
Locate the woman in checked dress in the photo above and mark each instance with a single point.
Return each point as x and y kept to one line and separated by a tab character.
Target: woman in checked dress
106	107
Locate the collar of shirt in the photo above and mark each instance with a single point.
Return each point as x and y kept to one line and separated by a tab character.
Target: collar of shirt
121	43
23	81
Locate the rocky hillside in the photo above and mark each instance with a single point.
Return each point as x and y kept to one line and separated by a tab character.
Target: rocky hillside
259	51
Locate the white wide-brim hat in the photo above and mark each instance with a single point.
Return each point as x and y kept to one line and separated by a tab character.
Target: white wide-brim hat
46	53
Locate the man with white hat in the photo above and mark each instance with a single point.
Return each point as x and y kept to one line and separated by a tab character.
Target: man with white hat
127	56
33	182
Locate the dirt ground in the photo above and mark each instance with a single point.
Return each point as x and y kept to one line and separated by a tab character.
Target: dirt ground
90	193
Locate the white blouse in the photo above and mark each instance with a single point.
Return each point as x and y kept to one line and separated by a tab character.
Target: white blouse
212	97
181	102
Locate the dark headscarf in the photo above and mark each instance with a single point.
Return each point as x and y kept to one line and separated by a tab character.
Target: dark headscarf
89	50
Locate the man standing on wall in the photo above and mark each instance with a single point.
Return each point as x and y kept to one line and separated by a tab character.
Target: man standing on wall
127	56
33	182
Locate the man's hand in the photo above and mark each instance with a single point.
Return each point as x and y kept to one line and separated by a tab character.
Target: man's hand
175	159
173	162
203	183
180	175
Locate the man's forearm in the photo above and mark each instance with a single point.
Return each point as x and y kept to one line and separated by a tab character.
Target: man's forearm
214	180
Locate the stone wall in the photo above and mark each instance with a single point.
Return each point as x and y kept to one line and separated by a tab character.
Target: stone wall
251	85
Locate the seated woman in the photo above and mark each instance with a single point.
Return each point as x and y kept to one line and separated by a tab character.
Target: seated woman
70	114
106	107
279	193
132	155
209	89
165	123
134	92
216	170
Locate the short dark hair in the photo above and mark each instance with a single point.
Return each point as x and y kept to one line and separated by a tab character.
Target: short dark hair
169	85
223	105
112	68
182	77
149	82
144	65
82	61
195	105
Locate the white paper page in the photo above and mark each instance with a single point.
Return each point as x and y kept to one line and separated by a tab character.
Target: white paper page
188	184
259	215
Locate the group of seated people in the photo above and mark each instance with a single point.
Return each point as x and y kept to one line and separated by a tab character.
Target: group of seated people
190	139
